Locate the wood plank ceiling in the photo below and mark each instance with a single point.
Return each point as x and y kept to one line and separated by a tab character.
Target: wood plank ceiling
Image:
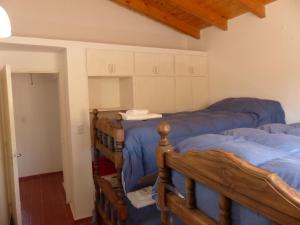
191	16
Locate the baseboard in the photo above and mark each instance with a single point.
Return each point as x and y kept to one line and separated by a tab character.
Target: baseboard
39	176
87	220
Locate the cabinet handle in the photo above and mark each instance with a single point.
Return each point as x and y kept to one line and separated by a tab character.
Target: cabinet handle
155	70
109	68
114	68
192	70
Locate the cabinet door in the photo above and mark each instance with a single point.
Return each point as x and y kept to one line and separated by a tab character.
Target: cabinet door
155	94
109	63
122	63
98	62
199	92
183	94
191	65
166	64
145	64
182	65
198	65
154	64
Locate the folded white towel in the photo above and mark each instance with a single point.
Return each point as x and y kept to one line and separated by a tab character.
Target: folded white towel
135	112
140	117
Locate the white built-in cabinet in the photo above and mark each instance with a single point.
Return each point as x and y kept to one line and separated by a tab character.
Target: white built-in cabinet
154	64
190	65
191	93
155	94
109	63
161	80
183	94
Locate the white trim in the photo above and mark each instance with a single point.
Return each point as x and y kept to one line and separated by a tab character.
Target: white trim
62	44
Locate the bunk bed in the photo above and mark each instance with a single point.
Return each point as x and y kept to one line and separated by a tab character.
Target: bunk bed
242	176
130	146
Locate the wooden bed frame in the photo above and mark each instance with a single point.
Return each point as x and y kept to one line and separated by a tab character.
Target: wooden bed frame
233	178
110	201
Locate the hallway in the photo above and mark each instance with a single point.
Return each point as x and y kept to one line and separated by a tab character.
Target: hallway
43	201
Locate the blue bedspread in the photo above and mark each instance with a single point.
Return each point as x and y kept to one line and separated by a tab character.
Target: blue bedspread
278	128
267	111
277	152
142	138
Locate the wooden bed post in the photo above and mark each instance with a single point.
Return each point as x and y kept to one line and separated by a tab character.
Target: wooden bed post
119	166
108	141
95	161
164	173
95	118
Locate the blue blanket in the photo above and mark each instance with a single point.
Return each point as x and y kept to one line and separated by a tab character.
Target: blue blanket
278	128
142	138
267	111
278	153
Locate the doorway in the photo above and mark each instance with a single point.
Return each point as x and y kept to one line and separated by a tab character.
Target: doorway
38	140
37	124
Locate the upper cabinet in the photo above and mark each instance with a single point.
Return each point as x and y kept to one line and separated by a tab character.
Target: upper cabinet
191	65
160	80
154	64
109	62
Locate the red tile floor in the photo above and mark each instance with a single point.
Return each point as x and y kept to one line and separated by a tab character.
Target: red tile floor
43	201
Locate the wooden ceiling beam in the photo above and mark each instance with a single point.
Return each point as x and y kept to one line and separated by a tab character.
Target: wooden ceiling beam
204	13
160	15
254	6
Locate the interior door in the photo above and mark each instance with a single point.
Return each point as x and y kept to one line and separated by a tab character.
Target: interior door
8	142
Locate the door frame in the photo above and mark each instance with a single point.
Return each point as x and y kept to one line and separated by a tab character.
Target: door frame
63	123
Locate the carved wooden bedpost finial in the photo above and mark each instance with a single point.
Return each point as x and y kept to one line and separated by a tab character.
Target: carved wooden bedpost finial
119	120
164	130
95	113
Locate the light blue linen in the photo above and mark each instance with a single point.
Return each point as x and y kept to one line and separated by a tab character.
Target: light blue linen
278	153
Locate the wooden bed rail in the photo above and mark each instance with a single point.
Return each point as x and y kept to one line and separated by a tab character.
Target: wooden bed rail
233	178
108	139
108	206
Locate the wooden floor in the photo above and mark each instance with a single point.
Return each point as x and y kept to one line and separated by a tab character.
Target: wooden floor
43	201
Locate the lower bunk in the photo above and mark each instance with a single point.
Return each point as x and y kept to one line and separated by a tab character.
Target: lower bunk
244	177
112	210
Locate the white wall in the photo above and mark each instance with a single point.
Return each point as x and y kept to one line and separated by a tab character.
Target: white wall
36	107
83	187
89	20
257	57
